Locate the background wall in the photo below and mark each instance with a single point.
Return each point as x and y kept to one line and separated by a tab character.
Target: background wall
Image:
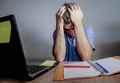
36	23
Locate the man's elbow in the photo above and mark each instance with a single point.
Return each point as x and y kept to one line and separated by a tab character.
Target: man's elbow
58	56
58	59
87	56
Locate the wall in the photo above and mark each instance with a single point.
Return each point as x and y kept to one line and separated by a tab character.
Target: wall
36	23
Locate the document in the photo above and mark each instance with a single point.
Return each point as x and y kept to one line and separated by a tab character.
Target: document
106	66
48	63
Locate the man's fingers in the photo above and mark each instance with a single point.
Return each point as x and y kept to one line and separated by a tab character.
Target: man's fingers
69	9
62	12
78	7
74	7
61	9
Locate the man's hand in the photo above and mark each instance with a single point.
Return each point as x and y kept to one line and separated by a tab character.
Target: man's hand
59	48
83	46
59	15
75	13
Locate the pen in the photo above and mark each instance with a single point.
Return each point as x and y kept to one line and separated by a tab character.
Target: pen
74	66
105	70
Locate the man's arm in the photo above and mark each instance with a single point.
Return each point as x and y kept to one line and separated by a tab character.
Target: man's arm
59	47
83	46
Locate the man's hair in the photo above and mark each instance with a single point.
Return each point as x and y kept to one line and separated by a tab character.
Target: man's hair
66	15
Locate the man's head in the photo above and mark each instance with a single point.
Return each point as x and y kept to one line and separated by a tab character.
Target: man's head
66	15
68	25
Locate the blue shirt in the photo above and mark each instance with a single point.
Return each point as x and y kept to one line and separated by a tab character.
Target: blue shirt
71	50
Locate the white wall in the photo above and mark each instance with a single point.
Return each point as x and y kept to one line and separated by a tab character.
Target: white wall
36	22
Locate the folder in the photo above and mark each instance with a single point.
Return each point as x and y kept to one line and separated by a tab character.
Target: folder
87	69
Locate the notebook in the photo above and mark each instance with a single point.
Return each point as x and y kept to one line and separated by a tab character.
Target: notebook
13	64
87	69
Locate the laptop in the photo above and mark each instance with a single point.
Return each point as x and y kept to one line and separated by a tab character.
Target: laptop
13	64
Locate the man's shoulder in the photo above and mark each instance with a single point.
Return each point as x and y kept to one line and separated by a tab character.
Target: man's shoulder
88	28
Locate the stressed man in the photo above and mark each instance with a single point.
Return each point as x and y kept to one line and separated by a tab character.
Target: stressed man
73	41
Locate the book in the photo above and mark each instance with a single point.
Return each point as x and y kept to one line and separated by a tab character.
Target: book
106	66
86	69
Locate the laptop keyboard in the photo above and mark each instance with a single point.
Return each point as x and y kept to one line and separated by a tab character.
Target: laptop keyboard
34	68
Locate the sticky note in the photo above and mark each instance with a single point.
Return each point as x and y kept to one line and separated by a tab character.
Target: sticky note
48	63
5	31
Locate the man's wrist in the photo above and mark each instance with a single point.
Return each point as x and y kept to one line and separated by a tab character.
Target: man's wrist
78	24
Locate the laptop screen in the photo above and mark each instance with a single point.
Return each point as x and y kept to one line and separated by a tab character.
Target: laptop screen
12	60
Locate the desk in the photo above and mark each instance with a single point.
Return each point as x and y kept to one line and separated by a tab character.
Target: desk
48	78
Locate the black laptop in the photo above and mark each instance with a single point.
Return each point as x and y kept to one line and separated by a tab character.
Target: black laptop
13	64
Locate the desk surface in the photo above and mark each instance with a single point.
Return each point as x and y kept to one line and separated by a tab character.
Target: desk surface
48	78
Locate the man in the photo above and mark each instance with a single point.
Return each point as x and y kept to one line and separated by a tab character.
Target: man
72	40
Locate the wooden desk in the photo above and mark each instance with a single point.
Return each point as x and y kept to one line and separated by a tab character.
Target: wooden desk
48	78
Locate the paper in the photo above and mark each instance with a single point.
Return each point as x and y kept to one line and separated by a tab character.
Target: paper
80	72
5	31
48	63
111	64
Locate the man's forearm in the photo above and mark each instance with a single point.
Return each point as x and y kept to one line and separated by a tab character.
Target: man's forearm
83	46
59	48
